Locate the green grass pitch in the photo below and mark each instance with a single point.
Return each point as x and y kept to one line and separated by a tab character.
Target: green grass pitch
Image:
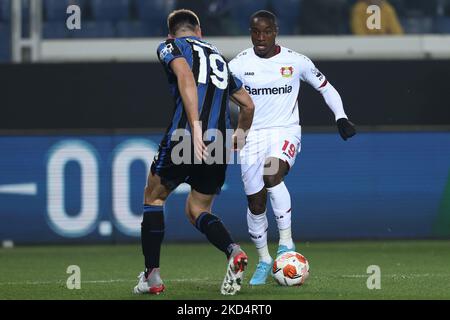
409	270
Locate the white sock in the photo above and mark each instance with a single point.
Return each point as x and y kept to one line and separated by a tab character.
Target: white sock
286	238
264	254
281	205
257	227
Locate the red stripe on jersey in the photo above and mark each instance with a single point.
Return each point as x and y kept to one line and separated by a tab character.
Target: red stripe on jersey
324	83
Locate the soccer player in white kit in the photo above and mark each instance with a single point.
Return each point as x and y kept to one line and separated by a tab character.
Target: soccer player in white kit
271	74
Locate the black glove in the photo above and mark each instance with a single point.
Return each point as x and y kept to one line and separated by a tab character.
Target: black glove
346	128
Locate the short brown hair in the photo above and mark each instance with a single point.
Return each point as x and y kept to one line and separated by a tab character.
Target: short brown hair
182	18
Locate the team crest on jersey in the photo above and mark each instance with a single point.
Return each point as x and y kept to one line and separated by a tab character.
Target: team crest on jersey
286	72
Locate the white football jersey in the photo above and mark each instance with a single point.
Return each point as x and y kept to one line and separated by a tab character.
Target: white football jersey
274	84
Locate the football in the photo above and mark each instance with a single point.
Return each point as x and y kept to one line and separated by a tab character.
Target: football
290	269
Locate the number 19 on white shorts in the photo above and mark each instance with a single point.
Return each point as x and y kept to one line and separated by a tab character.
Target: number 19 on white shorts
280	143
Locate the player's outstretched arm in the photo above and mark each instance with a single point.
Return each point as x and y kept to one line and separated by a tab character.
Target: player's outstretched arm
246	111
333	100
188	92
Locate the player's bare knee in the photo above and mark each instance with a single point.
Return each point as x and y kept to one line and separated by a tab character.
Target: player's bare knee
154	201
193	213
257	204
155	195
147	192
257	208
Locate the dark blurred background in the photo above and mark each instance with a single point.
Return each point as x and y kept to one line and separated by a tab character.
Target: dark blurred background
82	112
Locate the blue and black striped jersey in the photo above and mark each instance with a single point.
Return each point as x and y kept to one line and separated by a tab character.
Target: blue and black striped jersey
213	78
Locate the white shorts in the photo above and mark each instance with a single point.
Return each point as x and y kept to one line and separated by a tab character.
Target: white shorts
281	143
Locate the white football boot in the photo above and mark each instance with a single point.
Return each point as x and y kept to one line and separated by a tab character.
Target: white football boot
152	284
235	272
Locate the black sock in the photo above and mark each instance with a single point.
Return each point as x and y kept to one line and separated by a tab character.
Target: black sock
215	231
152	234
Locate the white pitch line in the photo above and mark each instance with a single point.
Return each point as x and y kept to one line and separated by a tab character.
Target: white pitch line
404	276
413	275
99	281
26	189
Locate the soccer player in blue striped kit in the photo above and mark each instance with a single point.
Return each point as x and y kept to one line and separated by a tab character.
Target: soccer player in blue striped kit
201	85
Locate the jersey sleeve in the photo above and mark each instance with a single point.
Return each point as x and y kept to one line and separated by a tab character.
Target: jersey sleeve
311	74
168	51
234	83
318	81
233	65
234	77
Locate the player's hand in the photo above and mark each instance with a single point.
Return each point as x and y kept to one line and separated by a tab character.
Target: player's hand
199	146
346	128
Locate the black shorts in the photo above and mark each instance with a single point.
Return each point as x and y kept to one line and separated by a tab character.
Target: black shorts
203	178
